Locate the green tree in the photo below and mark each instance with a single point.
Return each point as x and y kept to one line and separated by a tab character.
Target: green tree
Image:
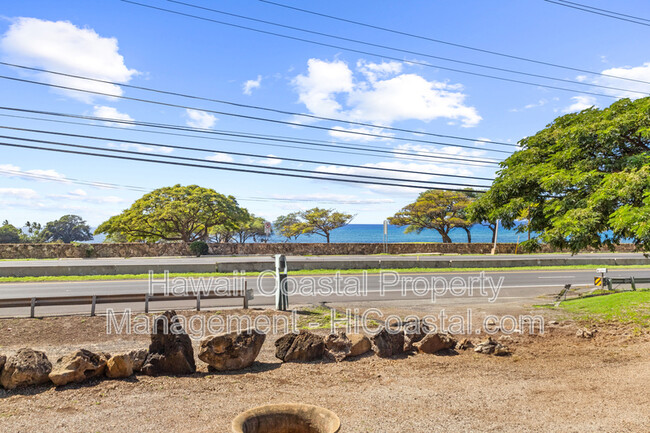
322	221
288	225
313	221
9	234
583	175
247	227
68	228
437	210
176	213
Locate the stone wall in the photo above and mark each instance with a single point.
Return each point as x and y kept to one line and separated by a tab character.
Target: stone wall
55	251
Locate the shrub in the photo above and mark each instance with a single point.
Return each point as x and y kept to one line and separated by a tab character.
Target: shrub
199	248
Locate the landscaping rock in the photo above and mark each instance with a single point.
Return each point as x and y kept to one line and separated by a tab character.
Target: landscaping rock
170	351
26	367
119	366
464	344
338	346
585	333
3	359
138	356
77	367
414	331
304	346
360	344
386	344
491	347
232	351
433	343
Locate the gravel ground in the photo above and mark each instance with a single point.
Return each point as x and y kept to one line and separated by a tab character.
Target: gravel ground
553	382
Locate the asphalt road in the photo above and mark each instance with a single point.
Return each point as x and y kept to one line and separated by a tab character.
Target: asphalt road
456	288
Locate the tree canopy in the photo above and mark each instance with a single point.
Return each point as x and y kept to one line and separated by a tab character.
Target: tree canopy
313	221
248	226
68	228
175	213
9	234
583	181
438	210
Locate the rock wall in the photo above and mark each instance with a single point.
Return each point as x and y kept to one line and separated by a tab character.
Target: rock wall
56	251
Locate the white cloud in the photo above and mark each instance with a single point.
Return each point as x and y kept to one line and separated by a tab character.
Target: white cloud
641	73
580	103
252	84
10	170
269	161
384	95
220	157
200	119
63	47
112	113
136	147
22	193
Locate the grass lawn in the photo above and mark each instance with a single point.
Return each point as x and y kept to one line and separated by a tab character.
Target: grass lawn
307	272
625	307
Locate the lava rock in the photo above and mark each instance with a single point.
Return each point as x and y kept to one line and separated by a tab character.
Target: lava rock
302	347
232	351
26	367
170	351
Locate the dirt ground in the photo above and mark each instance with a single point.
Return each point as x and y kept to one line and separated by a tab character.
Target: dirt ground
553	382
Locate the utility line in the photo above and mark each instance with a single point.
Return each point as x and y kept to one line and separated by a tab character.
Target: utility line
184	164
199	149
453	44
593	10
103	185
256	107
167	104
401	50
237	164
478	162
96	184
338	47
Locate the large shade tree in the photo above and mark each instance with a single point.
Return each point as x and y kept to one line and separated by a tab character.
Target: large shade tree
583	181
175	213
312	221
68	228
437	210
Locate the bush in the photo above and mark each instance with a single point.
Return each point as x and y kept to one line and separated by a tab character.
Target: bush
199	248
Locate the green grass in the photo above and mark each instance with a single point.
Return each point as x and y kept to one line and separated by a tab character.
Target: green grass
307	272
625	307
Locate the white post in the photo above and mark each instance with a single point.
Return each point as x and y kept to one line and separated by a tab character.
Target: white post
496	236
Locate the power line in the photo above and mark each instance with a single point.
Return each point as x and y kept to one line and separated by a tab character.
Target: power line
453	44
199	149
605	10
167	104
254	107
176	163
415	53
338	47
424	155
95	184
102	185
80	146
594	10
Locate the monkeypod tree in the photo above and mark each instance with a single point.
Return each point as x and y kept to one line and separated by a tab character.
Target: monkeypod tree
313	221
437	210
583	181
68	228
175	213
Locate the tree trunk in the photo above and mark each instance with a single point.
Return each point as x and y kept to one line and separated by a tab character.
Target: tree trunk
445	238
469	235
494	233
327	236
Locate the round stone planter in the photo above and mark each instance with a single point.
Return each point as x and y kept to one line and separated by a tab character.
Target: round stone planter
287	418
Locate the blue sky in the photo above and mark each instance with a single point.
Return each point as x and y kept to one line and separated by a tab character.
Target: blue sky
125	43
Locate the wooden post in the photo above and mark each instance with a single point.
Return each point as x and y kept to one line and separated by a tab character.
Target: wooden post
92	306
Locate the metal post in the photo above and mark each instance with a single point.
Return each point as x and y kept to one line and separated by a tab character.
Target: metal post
198	300
633	284
146	303
33	307
246	295
281	295
92	306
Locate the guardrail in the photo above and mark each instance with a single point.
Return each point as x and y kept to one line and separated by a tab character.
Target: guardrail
610	281
94	300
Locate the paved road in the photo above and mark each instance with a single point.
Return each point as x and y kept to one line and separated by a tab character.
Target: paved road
521	286
269	259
